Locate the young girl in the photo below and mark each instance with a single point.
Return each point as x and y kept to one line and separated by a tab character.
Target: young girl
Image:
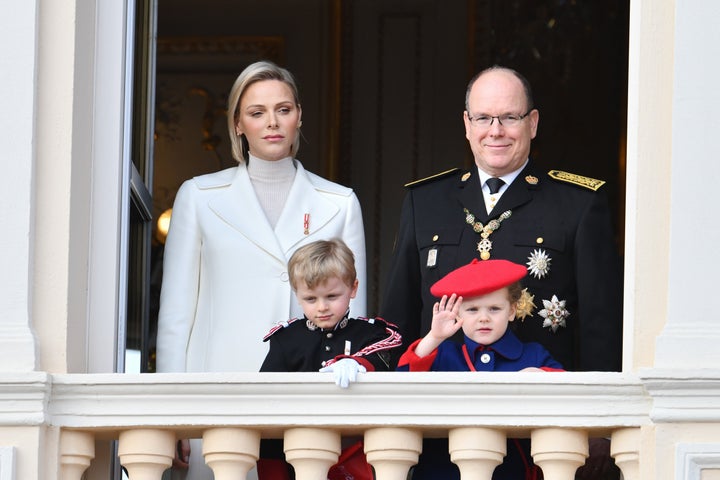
481	298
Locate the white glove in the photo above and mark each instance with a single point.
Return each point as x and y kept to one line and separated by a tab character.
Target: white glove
344	371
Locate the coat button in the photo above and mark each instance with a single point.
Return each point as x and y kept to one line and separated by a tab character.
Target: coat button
327	348
329	335
485	358
284	276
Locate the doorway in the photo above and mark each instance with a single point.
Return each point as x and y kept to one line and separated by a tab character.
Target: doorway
382	86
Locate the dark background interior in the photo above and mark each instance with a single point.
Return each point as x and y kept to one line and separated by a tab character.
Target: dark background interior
382	86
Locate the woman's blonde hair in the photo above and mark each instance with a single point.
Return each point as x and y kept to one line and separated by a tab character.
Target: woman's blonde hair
316	262
256	72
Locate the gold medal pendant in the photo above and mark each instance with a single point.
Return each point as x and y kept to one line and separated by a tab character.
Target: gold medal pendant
485	245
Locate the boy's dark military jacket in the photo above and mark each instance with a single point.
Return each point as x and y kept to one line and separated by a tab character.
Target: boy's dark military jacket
295	347
561	230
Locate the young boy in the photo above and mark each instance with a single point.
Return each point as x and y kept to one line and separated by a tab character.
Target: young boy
322	274
481	298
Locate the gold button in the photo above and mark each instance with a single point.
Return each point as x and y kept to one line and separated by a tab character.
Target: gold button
435	238
540	240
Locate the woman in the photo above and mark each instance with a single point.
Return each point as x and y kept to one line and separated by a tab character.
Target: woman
225	280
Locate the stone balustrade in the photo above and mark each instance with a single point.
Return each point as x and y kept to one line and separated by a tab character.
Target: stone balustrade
231	452
392	411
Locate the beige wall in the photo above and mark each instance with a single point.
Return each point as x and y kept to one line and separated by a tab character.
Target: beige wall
67	227
53	160
669	436
650	89
26	440
78	165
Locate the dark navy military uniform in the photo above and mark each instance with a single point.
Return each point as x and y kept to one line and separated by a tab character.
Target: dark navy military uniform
297	347
566	225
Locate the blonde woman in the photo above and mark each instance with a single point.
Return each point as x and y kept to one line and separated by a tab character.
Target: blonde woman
225	279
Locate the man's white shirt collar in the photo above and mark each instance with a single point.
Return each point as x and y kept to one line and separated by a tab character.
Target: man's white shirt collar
507	178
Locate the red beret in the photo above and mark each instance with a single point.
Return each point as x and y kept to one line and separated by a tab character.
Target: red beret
478	278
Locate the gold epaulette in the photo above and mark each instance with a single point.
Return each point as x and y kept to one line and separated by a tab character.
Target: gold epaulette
587	182
432	177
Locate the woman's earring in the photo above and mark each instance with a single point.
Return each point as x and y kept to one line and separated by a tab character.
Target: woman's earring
300	124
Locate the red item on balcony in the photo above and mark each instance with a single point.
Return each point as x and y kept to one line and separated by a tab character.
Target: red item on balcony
352	465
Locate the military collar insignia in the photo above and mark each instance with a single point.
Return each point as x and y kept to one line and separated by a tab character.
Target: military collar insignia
341	324
465	177
531	180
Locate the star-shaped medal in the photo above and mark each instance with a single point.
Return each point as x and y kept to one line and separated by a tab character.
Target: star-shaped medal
539	263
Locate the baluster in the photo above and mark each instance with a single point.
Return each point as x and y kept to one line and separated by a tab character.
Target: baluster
477	451
311	451
625	449
392	451
231	452
77	449
146	453
559	451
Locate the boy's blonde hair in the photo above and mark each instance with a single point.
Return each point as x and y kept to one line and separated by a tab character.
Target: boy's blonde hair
316	262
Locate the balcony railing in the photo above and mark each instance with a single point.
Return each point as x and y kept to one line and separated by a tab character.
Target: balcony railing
392	411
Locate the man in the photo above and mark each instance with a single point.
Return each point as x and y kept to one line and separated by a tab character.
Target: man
555	223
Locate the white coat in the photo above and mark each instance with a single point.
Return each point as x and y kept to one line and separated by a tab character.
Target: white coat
225	280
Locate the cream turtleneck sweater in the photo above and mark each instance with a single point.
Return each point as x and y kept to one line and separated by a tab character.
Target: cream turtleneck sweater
271	181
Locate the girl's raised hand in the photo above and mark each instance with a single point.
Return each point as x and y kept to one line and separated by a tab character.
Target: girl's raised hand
445	320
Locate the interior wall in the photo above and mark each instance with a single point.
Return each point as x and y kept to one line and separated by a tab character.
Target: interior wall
405	91
293	33
403	66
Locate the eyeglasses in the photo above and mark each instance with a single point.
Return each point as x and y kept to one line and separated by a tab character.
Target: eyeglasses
506	119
